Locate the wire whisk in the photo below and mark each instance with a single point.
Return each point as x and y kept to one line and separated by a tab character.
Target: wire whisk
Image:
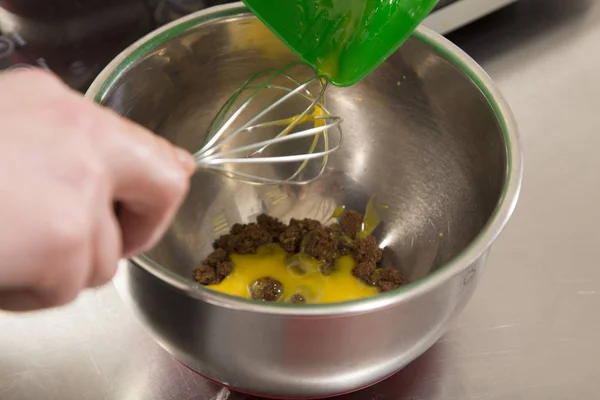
259	136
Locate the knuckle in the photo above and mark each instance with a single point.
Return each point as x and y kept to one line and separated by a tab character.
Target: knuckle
148	151
173	192
93	173
65	251
180	186
158	150
70	231
73	116
85	172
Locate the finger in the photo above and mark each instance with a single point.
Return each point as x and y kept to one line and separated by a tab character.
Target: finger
29	83
150	178
107	246
21	300
56	258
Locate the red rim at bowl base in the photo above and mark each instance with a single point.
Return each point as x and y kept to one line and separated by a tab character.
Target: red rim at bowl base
290	398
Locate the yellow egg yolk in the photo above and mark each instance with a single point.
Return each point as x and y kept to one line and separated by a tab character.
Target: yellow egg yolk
371	219
298	274
315	117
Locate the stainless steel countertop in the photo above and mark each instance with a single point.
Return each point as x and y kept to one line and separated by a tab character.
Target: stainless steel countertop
530	332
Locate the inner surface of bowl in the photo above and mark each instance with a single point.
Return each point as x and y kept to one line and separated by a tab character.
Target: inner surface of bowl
418	134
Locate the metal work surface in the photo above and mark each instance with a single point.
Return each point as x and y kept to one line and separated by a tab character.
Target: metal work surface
531	329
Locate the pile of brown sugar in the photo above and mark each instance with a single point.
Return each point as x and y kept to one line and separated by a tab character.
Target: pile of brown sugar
309	237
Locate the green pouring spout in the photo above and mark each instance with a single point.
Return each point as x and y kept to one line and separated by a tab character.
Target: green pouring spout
344	40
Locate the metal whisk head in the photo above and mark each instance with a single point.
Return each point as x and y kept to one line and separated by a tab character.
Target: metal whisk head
274	129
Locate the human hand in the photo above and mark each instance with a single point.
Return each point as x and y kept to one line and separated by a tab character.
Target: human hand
64	162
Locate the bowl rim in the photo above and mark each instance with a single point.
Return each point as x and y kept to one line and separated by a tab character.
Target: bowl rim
462	261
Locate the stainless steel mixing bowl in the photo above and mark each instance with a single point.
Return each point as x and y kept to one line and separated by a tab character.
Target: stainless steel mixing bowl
427	133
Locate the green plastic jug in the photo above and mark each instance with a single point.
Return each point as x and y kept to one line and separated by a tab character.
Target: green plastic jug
344	40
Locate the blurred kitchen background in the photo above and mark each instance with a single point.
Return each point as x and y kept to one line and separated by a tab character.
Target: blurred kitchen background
77	38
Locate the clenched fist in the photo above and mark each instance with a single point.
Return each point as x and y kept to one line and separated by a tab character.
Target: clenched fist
64	164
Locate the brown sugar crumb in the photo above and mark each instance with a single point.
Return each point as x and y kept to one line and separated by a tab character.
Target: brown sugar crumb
375	276
327	268
249	239
206	275
351	223
366	250
236	229
319	244
386	286
213	274
392	275
345	245
306	224
389	279
334	230
266	289
223	242
271	225
297	299
216	257
223	270
291	238
242	239
364	270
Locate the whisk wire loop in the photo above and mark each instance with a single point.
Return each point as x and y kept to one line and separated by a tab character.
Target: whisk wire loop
226	149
